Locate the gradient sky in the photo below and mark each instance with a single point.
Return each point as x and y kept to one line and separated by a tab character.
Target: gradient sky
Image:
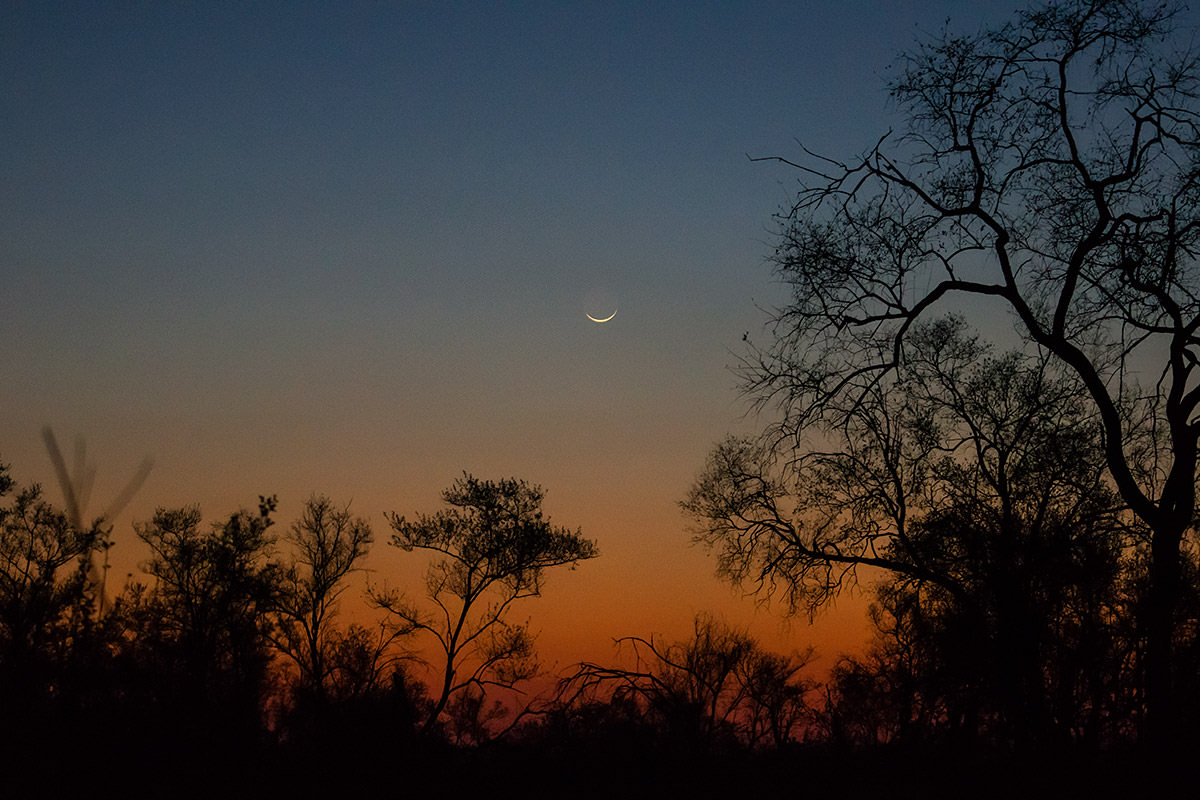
319	248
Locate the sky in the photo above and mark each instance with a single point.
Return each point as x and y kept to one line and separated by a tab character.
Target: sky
350	249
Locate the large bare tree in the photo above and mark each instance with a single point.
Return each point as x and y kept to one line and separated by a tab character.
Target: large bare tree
1050	166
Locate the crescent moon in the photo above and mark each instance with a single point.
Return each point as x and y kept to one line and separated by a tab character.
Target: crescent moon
605	319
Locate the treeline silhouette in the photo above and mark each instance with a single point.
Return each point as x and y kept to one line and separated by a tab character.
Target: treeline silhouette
227	667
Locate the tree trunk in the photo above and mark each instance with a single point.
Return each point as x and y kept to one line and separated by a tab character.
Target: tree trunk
1162	718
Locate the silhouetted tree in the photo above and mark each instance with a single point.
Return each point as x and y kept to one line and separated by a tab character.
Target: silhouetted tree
861	705
371	709
364	661
201	630
494	546
45	603
717	687
328	543
975	481
1048	166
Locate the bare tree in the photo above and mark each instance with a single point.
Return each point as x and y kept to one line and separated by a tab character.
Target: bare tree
494	546
719	684
976	479
1050	165
328	545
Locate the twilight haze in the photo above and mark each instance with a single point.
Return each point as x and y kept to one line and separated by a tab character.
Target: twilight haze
350	250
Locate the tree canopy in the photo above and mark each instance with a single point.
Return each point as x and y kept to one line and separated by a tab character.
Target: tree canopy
1049	165
493	546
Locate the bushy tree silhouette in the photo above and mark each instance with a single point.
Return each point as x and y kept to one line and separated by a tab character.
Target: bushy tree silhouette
200	632
493	546
45	606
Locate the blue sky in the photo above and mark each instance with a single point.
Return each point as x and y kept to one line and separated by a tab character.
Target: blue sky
345	248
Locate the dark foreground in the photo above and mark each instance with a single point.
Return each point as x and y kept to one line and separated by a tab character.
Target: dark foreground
177	769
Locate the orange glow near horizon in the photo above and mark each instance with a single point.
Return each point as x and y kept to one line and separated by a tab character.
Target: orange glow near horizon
649	579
